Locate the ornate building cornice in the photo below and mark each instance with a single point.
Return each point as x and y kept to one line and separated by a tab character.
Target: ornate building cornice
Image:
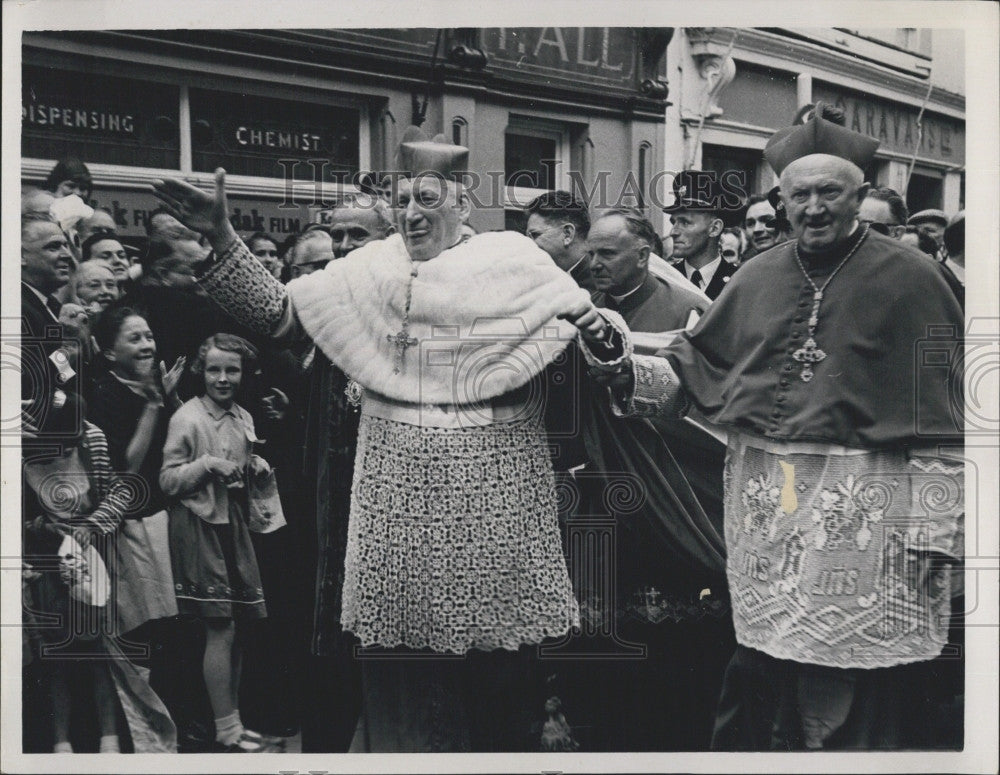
778	50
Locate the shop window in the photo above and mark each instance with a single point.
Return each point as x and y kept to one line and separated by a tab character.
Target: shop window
99	119
536	160
721	159
460	131
645	156
264	137
924	192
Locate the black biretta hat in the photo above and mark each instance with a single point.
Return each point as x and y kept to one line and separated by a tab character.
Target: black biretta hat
818	135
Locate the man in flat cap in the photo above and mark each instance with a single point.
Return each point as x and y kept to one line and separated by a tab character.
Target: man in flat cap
811	361
453	541
931	222
699	215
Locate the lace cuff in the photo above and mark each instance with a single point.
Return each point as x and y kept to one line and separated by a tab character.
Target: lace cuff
655	391
613	356
240	284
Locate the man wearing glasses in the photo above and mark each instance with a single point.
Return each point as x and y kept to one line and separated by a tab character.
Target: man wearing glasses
884	210
313	251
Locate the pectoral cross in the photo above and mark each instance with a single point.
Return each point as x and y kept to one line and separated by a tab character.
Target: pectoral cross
808	354
402	340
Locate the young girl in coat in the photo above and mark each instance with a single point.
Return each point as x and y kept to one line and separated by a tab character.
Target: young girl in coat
207	460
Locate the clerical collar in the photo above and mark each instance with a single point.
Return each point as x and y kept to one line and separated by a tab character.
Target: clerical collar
836	252
619	299
707	272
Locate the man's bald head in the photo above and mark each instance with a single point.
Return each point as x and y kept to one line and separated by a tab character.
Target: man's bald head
822	194
825	162
101	222
358	221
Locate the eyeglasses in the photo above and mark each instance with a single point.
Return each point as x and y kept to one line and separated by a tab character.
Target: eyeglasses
881	228
767	222
315	265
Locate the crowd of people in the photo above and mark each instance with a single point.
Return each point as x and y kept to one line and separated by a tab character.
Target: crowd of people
305	487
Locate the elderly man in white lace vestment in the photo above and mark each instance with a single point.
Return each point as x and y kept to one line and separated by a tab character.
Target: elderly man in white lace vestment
453	543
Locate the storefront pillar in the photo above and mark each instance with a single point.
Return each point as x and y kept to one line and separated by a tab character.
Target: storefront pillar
951	192
804	89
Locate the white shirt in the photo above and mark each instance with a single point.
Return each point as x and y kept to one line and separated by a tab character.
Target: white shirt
666	273
707	272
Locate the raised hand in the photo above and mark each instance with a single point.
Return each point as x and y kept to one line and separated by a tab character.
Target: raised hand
171	378
204	212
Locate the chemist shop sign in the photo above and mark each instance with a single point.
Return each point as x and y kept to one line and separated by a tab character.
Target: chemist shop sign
98	118
273	138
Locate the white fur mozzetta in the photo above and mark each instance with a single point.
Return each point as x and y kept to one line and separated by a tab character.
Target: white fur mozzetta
483	312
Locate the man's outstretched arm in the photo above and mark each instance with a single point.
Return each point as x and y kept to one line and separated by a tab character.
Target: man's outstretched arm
232	276
639	385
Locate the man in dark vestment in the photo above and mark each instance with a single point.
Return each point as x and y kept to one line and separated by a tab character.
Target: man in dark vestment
811	361
619	245
700	215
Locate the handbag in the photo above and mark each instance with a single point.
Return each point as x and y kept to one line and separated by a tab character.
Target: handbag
83	571
264	506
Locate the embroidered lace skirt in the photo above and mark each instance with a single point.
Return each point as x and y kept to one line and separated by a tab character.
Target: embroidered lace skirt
453	541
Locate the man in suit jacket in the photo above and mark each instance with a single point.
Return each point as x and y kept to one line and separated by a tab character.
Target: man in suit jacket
559	223
699	215
46	264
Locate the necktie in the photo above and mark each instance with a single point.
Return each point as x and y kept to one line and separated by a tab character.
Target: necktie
54	306
696	278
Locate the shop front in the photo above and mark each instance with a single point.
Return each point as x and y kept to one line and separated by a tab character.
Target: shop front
728	110
295	116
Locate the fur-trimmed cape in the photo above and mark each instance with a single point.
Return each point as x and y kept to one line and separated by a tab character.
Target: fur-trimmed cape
483	313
